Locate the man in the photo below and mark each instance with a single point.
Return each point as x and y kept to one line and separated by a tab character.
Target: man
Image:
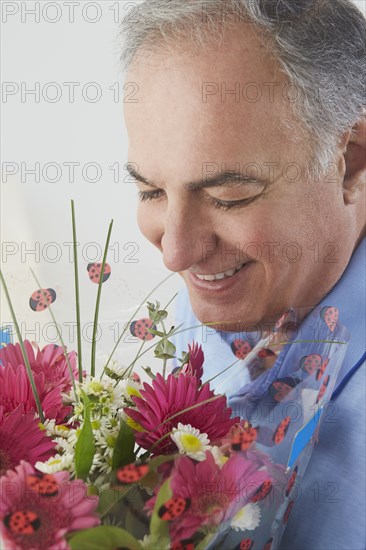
248	147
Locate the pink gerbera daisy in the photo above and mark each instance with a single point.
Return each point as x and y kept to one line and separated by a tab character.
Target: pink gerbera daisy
51	361
194	367
22	439
38	510
51	376
213	494
166	398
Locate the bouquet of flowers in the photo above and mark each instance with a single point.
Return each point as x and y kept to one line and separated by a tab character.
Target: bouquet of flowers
107	461
103	461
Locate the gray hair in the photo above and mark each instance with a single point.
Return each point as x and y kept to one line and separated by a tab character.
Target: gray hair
319	44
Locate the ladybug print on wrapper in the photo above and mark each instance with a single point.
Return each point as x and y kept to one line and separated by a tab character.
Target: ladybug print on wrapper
23	522
329	315
268	544
321	371
288	512
41	299
262	492
43	484
132	473
173	508
242	437
314	363
95	270
140	329
246	544
292	480
279	389
311	363
323	388
240	348
281	430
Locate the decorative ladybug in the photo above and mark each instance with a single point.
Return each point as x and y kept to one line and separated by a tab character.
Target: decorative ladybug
329	315
292	480
267	358
246	544
311	363
41	299
280	388
132	473
43	484
22	522
182	546
136	377
323	388
173	508
281	430
262	491
95	270
268	544
139	329
288	512
243	437
321	370
265	352
240	348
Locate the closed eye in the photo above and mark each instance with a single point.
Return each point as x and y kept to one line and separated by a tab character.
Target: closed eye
217	203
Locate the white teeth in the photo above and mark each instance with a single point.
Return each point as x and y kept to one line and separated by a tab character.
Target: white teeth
219	276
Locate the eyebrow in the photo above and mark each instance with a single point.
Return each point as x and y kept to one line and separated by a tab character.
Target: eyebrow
210	181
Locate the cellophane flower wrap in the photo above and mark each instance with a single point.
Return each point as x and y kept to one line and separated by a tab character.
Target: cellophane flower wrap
132	457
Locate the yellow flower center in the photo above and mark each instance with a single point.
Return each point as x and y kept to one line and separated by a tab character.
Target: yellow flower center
133	391
134	425
191	443
54	461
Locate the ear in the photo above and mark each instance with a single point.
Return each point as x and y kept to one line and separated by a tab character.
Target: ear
354	158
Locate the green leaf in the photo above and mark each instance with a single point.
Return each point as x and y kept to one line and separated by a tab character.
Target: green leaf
159	529
205	542
156	332
152	477
149	372
85	446
165	350
160	315
123	451
185	358
109	497
104	538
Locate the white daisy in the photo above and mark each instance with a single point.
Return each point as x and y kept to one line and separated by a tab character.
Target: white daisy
55	464
248	518
190	441
219	457
129	387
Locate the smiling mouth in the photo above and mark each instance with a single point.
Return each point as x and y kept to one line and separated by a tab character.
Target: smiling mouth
220	276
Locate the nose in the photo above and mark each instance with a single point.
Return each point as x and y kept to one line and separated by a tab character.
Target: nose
188	235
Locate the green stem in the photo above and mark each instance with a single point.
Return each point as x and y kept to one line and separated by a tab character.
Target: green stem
24	353
77	296
164	360
96	315
61	339
132	318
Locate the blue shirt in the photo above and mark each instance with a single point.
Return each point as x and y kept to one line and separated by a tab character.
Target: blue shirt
329	513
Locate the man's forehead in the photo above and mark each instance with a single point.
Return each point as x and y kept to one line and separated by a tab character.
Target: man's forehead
217	104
